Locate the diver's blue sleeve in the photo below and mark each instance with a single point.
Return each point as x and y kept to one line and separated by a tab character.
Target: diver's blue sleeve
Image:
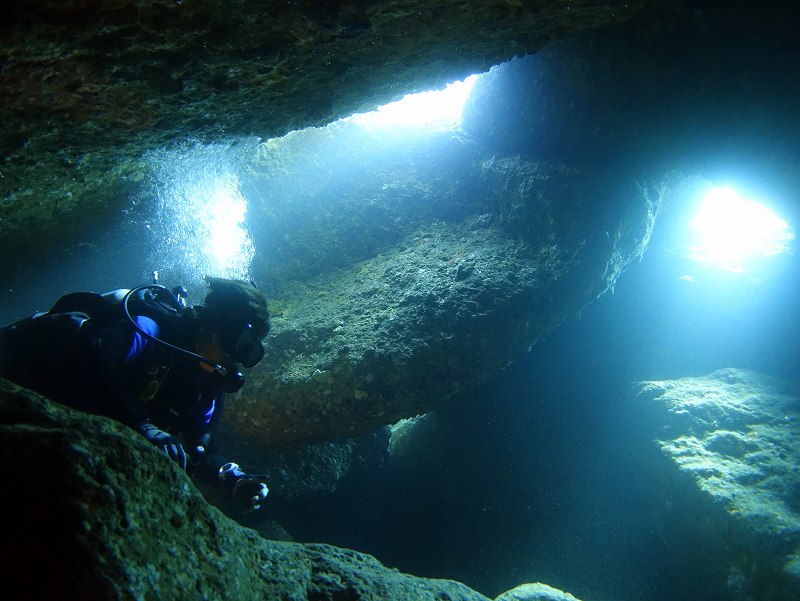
140	342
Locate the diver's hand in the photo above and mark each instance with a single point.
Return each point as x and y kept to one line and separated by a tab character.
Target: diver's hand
250	492
166	442
248	489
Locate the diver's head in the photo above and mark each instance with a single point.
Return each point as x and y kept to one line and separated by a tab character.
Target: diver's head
235	313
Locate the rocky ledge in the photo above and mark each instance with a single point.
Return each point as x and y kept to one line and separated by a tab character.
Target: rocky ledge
422	276
94	511
87	88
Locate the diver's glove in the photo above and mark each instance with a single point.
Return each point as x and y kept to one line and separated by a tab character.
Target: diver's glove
248	489
166	442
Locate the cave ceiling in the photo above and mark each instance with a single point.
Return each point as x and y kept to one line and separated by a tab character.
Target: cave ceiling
88	86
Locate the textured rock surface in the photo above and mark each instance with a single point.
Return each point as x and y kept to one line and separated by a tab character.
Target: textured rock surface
96	512
535	592
439	265
734	432
86	88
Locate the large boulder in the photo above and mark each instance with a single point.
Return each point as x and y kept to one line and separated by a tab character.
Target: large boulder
419	278
535	592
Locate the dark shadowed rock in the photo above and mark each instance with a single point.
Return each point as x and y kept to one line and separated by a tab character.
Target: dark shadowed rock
93	511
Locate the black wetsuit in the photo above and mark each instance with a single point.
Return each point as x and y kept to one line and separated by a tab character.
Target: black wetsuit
103	365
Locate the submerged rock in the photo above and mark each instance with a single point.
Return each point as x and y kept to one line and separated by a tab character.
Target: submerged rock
535	592
396	300
89	87
94	511
401	280
734	433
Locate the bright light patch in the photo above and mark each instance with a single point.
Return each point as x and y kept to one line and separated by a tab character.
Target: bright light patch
435	109
199	221
223	219
732	231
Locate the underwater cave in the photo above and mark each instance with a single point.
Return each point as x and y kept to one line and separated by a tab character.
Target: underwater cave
531	281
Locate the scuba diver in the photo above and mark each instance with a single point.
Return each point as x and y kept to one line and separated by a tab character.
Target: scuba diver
145	359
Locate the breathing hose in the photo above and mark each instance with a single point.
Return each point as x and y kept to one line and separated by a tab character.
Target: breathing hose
220	369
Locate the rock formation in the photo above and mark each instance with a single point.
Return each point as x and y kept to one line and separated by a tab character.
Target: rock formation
390	297
535	592
387	297
92	510
89	87
733	433
415	281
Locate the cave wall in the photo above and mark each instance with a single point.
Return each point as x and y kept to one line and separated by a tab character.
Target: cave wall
93	87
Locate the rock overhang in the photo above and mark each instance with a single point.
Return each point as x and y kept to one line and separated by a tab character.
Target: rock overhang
89	87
